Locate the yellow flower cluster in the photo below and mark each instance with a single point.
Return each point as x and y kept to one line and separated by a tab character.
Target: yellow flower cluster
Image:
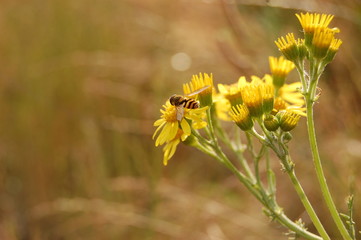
260	96
268	100
243	101
319	40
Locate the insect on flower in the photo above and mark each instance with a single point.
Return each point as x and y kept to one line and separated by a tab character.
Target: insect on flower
181	102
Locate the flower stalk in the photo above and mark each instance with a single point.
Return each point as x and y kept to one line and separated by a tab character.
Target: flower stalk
319	171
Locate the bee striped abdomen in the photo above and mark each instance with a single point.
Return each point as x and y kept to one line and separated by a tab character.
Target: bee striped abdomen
190	104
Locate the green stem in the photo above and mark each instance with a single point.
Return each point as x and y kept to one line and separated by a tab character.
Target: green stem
306	203
319	171
296	228
235	147
256	190
282	218
210	125
288	165
301	71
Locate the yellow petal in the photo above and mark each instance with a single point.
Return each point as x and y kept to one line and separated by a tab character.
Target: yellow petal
173	131
294	99
159	128
222	89
159	122
199	125
184	136
185	127
169	151
163	136
292	86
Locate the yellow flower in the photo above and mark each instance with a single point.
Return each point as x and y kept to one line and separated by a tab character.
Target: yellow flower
334	46
202	87
233	92
258	95
168	125
312	22
291	48
242	117
280	68
321	42
252	98
267	92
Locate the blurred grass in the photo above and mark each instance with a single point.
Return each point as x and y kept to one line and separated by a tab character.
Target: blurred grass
81	84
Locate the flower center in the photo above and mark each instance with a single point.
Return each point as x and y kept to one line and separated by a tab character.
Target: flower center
170	114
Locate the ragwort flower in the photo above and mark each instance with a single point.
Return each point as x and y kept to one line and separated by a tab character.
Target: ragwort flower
233	92
168	125
200	87
280	68
312	22
242	117
332	50
291	48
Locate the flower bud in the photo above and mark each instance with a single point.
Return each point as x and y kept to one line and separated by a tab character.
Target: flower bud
271	123
288	120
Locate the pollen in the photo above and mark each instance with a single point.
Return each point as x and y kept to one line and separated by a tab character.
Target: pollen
170	113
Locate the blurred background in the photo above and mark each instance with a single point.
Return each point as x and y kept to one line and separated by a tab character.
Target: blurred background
81	83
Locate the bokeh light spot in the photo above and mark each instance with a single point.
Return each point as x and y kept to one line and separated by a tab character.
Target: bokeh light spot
181	61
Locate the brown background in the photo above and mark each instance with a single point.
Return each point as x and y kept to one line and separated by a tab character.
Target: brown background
81	83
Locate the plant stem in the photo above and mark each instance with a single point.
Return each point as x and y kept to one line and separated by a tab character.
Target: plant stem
235	148
257	190
287	163
306	203
279	215
319	171
283	219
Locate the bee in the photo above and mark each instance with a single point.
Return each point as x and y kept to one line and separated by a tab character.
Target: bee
181	102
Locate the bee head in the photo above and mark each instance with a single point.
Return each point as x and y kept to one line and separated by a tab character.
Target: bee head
174	99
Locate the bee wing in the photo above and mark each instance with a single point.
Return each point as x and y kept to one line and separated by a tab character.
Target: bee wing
180	112
198	91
